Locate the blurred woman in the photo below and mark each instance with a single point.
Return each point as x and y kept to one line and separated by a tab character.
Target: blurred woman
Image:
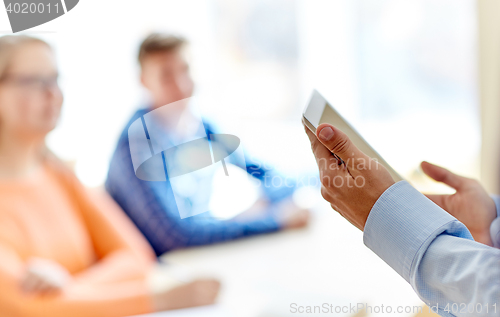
61	253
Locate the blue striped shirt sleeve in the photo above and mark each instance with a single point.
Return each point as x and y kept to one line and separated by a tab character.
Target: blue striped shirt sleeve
434	252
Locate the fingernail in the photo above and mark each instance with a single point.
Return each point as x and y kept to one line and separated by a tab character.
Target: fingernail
326	133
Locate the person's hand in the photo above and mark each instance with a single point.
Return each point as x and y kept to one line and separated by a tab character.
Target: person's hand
197	293
471	204
291	216
44	277
257	211
351	188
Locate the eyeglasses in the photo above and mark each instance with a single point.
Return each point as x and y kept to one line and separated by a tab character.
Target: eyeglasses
32	83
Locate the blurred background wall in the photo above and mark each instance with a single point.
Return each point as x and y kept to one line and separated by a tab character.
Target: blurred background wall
403	72
420	79
489	84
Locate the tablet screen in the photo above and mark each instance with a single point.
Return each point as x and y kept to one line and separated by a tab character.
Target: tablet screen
320	111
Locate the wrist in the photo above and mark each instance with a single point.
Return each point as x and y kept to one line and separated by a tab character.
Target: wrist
157	302
160	285
483	237
161	300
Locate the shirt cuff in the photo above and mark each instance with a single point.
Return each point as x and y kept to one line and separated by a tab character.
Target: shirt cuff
495	225
401	224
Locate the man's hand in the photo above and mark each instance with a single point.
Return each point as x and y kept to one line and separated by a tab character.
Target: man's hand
197	293
44	277
471	204
291	216
351	188
288	215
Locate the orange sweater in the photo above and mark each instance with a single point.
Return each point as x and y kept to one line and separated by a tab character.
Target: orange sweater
51	216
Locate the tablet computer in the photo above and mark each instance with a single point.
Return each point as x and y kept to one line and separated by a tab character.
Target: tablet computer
320	111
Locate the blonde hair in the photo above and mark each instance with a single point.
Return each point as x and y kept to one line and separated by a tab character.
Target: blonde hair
9	44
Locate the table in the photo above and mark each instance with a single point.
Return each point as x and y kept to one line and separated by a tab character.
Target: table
326	262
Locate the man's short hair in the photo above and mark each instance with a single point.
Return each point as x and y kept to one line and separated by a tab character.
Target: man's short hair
159	43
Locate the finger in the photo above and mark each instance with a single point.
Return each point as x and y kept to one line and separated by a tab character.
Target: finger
208	290
441	174
337	142
40	285
324	158
44	288
31	284
27	283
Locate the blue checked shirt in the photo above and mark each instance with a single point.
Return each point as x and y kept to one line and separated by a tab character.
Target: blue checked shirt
152	207
435	253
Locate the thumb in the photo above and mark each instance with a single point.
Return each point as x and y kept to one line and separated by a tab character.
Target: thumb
337	142
441	174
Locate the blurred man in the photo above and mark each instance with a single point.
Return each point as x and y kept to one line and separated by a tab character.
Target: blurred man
152	205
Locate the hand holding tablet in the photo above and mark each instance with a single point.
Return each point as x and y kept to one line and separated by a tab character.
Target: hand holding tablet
352	187
319	111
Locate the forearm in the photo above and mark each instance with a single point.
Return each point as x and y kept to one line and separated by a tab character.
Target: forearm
119	299
191	231
76	299
459	277
431	249
119	266
274	186
195	231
